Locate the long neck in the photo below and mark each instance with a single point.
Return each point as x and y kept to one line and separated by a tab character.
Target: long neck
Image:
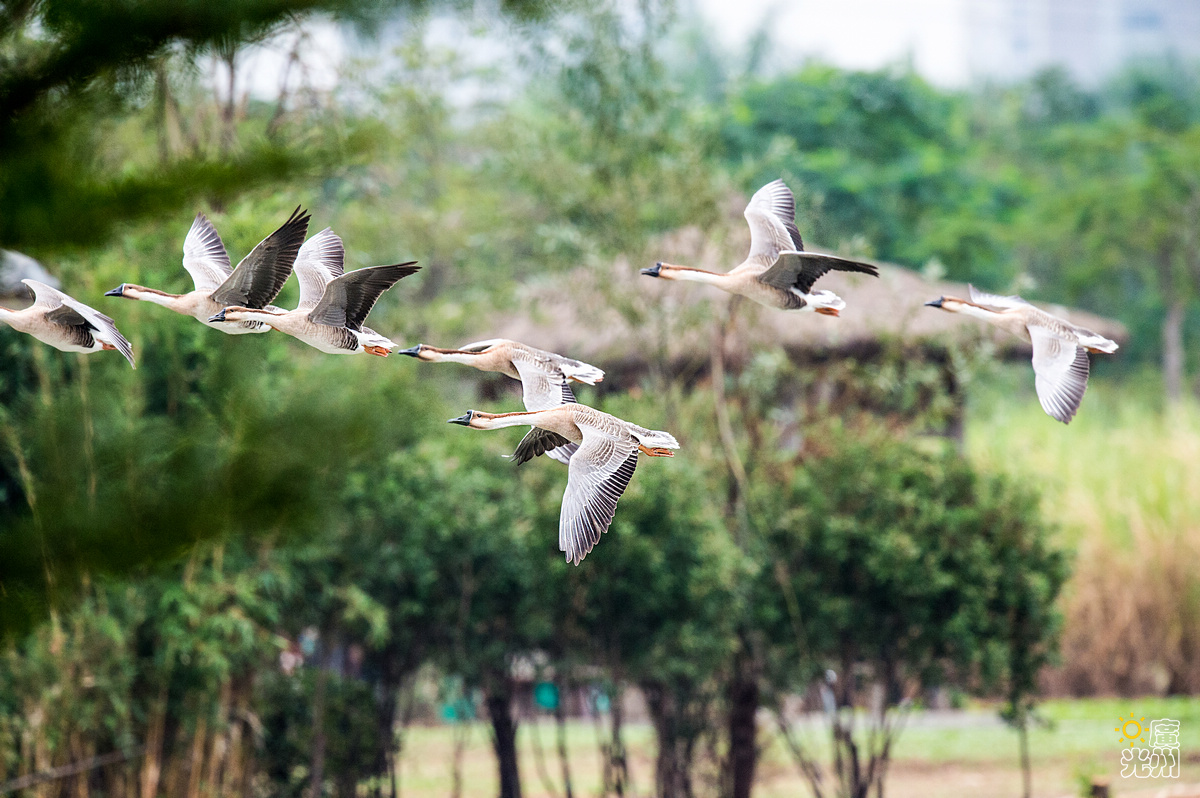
501	420
967	309
151	295
5	314
253	314
697	276
455	356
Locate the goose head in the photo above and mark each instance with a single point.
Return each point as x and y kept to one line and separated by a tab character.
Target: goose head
421	352
948	303
663	271
465	419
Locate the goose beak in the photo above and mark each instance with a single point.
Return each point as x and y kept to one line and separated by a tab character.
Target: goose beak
118	291
464	419
219	317
412	351
655	272
937	303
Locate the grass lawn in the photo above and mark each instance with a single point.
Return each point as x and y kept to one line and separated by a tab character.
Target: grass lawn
962	753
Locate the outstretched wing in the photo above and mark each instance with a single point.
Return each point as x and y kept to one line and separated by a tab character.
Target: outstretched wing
537	442
1060	370
995	300
802	269
348	299
260	276
772	218
598	475
69	312
542	389
320	261
204	255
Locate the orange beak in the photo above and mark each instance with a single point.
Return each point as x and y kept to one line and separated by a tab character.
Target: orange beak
827	311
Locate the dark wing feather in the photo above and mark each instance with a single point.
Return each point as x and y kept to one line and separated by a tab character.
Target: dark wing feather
802	269
260	276
537	442
68	317
348	299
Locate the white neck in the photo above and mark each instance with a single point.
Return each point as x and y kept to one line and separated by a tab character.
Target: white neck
166	300
512	420
5	313
457	357
977	312
696	276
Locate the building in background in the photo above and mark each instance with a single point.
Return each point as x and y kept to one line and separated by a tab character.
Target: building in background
1012	39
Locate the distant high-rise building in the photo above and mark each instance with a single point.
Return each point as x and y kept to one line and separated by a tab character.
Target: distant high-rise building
1011	39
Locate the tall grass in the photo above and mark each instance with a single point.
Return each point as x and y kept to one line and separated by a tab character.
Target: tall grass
1122	483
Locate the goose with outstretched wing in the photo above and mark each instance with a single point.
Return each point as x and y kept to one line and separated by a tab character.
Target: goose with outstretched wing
255	282
778	272
66	323
1060	349
598	472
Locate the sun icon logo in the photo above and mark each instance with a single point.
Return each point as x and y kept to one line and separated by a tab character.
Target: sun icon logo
1130	729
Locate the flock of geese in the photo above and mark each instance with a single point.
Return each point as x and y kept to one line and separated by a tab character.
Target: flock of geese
600	450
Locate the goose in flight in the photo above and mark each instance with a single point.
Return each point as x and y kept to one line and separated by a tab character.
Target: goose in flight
599	471
545	377
256	281
778	272
1060	349
333	304
66	323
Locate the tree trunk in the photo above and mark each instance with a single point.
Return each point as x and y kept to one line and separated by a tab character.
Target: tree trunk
317	769
504	734
1172	334
560	724
1026	773
743	732
672	768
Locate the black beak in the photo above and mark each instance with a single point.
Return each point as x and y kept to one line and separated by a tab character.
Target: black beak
412	351
118	291
937	303
219	317
465	420
653	272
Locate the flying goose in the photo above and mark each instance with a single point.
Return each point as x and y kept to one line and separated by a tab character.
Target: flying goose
545	377
256	281
778	272
333	304
66	323
1060	349
599	471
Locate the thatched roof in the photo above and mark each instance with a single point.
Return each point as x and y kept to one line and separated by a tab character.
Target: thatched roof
616	318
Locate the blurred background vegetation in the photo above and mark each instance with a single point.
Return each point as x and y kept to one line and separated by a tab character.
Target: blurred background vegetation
250	569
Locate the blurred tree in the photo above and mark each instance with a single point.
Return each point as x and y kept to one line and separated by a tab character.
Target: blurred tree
901	570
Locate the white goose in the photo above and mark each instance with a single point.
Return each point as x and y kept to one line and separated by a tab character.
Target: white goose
1060	349
599	471
778	272
66	323
256	281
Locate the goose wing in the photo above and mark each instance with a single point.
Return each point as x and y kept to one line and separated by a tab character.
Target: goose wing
772	218
320	261
544	386
204	255
802	269
597	476
1060	370
67	311
260	276
995	300
348	299
480	346
540	441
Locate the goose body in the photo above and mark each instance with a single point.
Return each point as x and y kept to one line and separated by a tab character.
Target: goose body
333	304
599	471
778	272
256	281
1060	349
545	377
65	323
